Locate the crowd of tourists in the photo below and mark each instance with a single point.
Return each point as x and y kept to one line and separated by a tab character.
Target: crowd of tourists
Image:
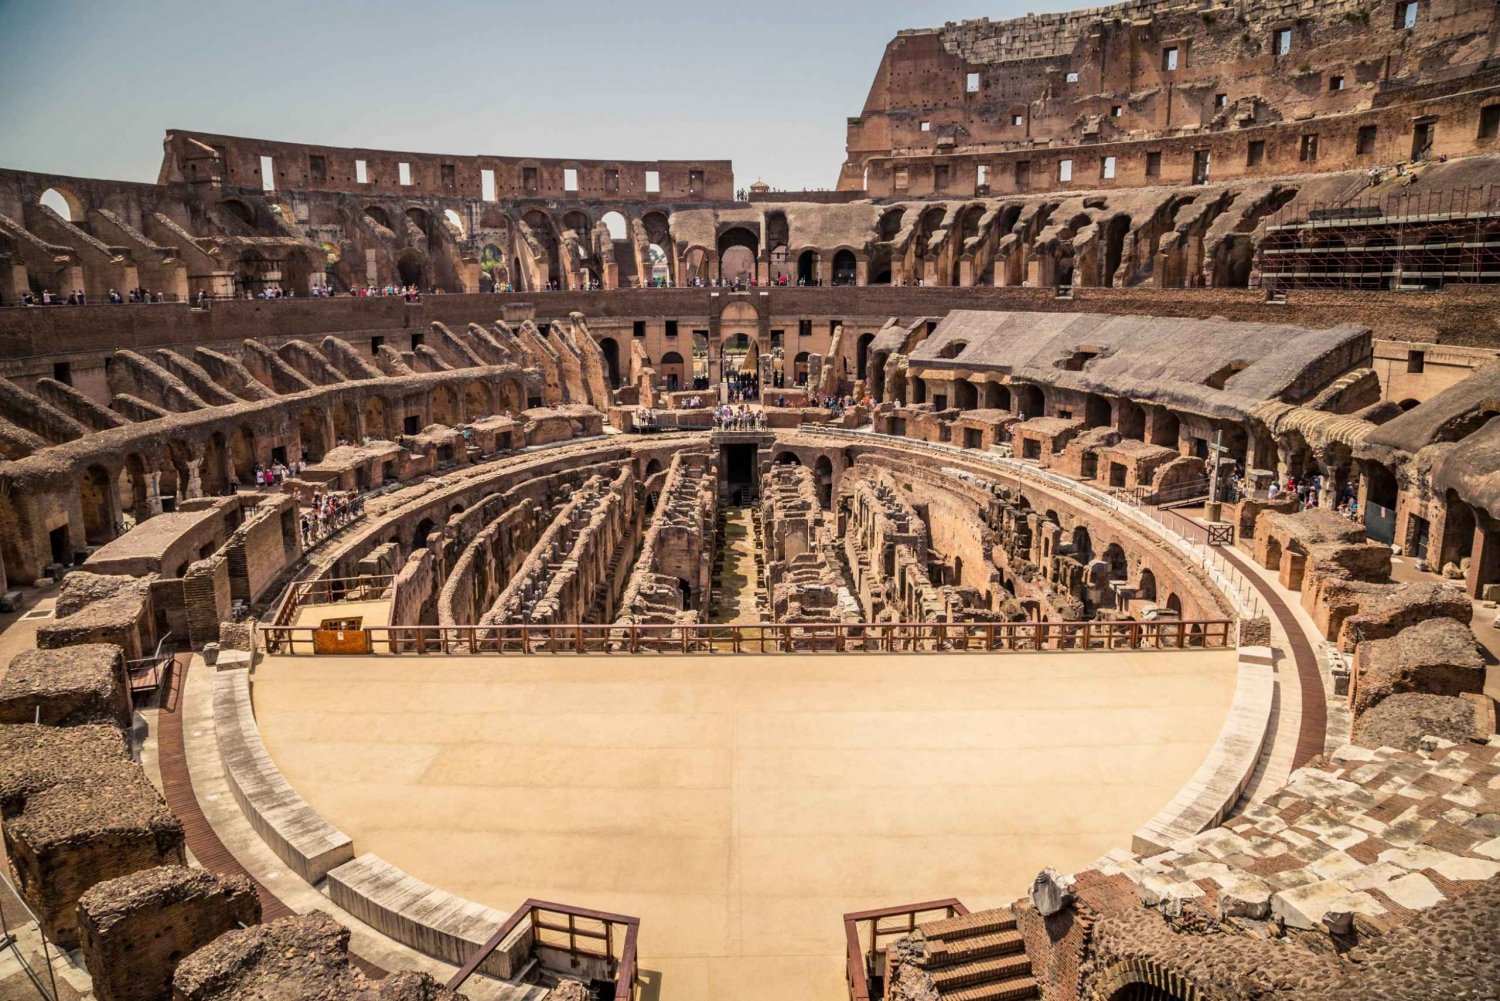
328	512
1308	490
741	418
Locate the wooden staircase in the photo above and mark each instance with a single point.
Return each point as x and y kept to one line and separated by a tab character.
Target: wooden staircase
978	957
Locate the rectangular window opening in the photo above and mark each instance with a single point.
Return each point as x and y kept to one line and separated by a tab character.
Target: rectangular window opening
1169	59
982	181
1116	111
653	182
638	328
1489	122
1335	83
1153	163
267	174
671	328
1107	168
1018	120
926	126
403	173
1416	361
487	185
1281	42
1256	154
1406	14
1364	141
1072	77
1309	153
1221	101
971	83
1065	170
361	172
570	179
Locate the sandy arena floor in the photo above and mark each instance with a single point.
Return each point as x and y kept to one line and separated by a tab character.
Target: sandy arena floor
740	805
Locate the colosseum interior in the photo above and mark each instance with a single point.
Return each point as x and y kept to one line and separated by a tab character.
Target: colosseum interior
1061	562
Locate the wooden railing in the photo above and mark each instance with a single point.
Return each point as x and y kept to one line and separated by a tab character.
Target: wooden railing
580	933
776	637
329	591
859	967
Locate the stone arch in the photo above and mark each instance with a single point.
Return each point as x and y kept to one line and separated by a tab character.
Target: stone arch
311	433
375	417
807	267
615	223
1115	232
96	498
965	395
1145	589
1166	430
443	405
1083	544
1115	559
823	473
1132	422
862	355
738	250
478	401
412	268
1030	401
455	223
215	475
425	527
1095	411
653	467
610	349
671	370
845	267
242	454
65	202
345	423
695	264
375	214
787	458
799	368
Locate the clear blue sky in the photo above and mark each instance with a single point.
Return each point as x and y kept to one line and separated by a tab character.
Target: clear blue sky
89	87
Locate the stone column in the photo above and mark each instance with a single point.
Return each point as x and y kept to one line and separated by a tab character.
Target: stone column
194	486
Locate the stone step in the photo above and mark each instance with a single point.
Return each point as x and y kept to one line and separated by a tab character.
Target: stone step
1012	989
944	952
982	971
988	922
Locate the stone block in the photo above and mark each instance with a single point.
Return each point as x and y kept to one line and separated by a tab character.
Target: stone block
36	758
135	929
67	687
69	837
1304	907
1436	656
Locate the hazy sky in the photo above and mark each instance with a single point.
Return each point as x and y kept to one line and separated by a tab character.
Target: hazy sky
89	87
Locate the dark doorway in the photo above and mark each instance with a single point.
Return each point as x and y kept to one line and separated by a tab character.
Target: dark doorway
739	471
62	548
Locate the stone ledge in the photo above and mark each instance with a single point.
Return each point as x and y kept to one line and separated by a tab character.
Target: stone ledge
417	914
308	844
1216	786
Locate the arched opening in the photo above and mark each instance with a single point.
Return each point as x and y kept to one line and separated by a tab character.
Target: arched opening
685	592
807	267
799	368
845	268
419	539
345	427
95	495
652	468
411	268
1174	605
1114	248
1029	401
477	401
695	265
615	223
823	472
454	222
310	434
1166	430
444	407
1083	544
374	213
862	355
610	348
64	203
1095	411
1144	992
1458	531
1146	589
242	454
545	236
1114	559
788	459
671	371
1132	421
375	418
965	395
215	473
738	249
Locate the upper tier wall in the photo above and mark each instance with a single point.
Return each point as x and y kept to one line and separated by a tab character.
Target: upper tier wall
199	157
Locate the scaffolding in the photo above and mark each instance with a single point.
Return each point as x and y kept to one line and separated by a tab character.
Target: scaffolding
1406	241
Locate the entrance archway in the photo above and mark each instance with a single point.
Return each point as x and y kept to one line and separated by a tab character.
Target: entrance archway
610	348
845	268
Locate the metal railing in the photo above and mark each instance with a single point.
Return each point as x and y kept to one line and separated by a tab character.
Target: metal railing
21	936
146	672
543	923
770	637
859	967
